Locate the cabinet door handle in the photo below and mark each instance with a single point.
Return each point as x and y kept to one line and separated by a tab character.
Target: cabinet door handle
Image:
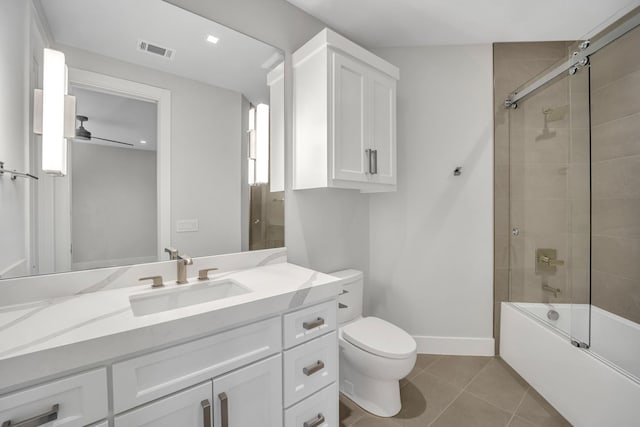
310	370
313	323
224	410
38	420
317	421
375	162
369	153
206	413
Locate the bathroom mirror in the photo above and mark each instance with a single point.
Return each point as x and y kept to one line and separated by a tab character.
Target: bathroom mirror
179	137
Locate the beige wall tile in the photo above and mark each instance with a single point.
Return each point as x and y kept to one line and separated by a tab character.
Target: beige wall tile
615	139
616	255
615	60
616	217
579	216
501	216
579	146
541	216
538	181
619	178
616	100
616	294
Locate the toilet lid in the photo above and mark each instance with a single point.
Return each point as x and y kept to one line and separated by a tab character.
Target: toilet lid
379	337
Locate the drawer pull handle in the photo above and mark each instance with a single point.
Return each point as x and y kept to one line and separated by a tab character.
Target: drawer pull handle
38	420
310	370
206	413
224	409
315	422
313	323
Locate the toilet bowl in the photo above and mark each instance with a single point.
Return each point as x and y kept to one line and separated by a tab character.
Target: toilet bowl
374	354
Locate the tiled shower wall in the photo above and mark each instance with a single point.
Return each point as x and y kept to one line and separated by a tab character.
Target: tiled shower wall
615	145
514	64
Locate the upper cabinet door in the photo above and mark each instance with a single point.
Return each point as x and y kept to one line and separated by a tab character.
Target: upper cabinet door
251	396
349	131
383	127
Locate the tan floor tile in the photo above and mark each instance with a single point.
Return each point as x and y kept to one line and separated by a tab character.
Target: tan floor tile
414	373
498	385
373	421
458	370
423	399
536	409
425	360
469	411
349	412
520	422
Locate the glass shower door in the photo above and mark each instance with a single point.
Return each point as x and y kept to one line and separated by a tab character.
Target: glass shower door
547	201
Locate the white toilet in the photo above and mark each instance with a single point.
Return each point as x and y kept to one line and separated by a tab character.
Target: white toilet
374	354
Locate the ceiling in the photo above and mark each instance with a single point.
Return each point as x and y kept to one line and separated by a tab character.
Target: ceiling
113	28
116	117
385	23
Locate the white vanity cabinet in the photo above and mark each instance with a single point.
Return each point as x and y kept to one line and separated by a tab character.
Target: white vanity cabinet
188	408
260	373
344	116
251	396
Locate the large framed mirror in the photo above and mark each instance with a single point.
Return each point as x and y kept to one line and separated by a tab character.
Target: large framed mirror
179	139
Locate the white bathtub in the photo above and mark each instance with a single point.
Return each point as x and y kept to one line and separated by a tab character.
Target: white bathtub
583	385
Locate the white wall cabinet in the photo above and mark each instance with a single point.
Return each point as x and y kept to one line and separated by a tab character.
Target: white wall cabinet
344	115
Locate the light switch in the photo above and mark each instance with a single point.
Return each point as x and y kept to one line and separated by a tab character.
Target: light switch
186	225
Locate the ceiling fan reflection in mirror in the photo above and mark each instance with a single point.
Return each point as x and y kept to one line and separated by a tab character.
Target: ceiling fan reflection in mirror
83	134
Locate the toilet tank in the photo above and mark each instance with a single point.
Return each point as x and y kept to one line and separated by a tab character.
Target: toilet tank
350	299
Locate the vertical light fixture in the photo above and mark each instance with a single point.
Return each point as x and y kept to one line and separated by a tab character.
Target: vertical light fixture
251	155
262	144
54	143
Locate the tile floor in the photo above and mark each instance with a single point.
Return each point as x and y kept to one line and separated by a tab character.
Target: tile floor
461	391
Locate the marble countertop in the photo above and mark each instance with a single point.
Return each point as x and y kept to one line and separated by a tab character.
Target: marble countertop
44	338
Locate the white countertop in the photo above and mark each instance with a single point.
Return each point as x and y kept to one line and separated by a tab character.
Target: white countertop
45	338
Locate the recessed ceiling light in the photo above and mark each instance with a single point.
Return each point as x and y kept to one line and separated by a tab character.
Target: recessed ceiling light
142	141
212	39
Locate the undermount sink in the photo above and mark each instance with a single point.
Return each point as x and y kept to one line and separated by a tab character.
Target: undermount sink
157	301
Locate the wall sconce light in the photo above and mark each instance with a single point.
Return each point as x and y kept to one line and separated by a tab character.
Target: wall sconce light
54	113
262	144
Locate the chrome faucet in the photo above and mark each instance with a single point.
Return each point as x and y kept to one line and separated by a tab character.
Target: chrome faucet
183	261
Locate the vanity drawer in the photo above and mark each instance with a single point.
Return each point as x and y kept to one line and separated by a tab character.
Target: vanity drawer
312	411
309	323
77	400
310	367
145	378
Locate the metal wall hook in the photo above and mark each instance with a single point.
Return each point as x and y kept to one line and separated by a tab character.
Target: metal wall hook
457	171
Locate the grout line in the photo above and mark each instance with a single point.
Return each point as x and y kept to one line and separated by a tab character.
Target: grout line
524	395
461	391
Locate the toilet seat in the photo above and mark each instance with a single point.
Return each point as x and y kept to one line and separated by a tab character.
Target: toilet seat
379	337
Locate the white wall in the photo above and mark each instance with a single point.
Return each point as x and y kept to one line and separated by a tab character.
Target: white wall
324	229
114	203
205	152
431	242
14	46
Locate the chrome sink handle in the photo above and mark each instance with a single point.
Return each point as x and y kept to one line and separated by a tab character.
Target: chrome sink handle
204	273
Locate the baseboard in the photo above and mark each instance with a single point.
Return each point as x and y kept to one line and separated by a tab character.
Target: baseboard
457	346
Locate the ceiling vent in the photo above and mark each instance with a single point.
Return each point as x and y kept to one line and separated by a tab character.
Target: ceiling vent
154	49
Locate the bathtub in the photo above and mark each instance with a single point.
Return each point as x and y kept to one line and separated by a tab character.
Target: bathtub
594	387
